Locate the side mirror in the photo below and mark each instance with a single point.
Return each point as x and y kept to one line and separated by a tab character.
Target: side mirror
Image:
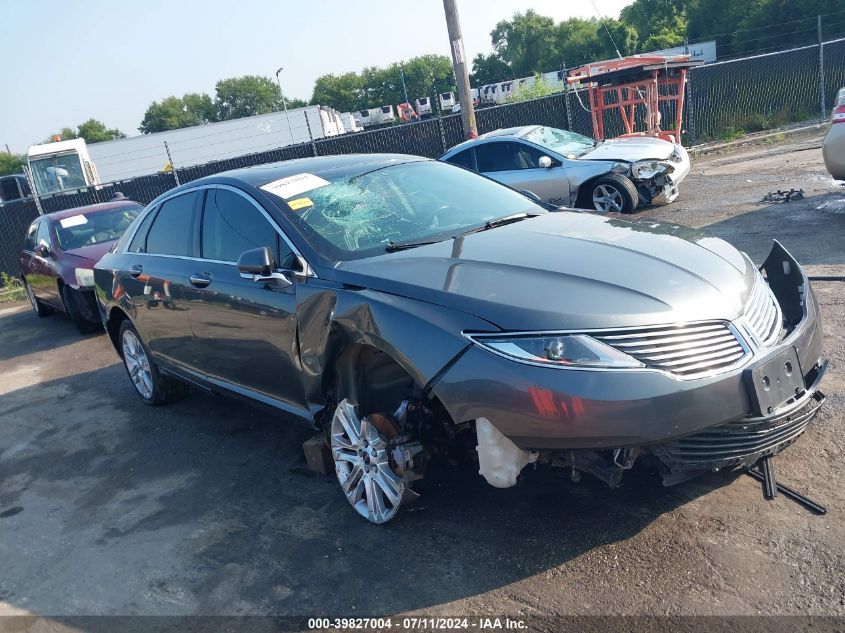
257	261
259	264
545	162
42	250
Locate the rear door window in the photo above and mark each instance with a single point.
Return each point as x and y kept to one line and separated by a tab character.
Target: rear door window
139	240
463	159
30	242
172	232
43	235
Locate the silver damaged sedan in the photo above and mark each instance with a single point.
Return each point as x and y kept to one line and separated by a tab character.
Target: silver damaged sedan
566	169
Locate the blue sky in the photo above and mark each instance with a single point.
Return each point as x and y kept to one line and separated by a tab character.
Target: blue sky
66	61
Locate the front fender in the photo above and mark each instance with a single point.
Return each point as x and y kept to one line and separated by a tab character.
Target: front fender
421	337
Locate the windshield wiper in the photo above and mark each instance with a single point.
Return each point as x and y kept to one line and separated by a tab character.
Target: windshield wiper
392	247
492	224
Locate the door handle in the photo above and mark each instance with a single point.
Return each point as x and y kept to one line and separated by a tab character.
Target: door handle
200	281
136	270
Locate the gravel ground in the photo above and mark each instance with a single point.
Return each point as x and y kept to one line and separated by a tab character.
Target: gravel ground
205	507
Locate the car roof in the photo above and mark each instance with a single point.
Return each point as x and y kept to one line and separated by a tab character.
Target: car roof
93	208
258	175
515	132
507	132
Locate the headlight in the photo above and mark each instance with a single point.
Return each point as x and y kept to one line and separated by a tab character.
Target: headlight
84	277
562	350
646	169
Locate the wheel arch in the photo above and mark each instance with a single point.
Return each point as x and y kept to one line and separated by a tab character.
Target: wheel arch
113	322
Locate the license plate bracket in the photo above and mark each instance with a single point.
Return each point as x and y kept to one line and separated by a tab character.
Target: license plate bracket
773	381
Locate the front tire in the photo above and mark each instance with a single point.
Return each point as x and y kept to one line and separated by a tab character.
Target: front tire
613	192
154	388
71	299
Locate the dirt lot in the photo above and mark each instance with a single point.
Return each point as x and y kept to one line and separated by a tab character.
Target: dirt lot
205	507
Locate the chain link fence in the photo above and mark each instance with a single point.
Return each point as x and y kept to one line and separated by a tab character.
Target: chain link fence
722	99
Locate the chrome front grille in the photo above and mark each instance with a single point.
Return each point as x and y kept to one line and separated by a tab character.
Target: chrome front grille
763	316
743	438
689	351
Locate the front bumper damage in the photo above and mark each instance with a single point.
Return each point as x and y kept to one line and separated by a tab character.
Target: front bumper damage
601	422
663	188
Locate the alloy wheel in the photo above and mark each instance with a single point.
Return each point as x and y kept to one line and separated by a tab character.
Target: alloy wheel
362	458
607	198
137	364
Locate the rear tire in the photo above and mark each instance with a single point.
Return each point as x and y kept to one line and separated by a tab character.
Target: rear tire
612	193
152	386
39	308
71	299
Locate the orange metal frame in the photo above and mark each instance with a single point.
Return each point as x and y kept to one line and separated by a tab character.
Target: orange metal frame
648	91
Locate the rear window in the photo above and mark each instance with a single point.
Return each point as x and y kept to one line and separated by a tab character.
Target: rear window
385	109
462	159
172	230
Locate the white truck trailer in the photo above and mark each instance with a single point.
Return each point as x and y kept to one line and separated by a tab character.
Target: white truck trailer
69	165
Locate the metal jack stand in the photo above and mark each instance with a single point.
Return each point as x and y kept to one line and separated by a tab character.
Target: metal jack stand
771	487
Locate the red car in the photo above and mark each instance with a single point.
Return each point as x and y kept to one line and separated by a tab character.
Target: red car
59	254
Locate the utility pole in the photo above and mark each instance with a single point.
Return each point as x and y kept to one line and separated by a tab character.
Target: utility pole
285	104
404	88
822	108
460	64
172	166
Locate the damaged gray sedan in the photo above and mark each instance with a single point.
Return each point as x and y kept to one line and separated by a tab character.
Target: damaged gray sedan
567	169
408	308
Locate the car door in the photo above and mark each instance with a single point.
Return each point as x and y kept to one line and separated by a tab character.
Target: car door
157	267
516	164
245	330
27	260
43	277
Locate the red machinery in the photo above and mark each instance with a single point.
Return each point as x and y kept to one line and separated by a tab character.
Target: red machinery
623	84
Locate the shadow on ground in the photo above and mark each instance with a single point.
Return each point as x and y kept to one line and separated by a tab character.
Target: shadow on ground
812	229
205	506
21	338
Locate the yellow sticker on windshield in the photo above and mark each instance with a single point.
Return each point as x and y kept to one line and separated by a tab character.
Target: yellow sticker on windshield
300	203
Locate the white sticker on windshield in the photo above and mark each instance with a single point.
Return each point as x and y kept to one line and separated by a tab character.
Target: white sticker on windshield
294	185
74	220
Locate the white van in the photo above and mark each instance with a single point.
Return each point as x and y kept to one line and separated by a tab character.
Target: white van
423	106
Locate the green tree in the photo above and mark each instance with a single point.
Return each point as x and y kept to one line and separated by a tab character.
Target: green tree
526	43
239	97
174	112
658	23
342	92
760	25
425	75
11	163
296	103
489	69
94	131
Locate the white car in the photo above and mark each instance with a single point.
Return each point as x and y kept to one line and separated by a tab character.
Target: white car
566	169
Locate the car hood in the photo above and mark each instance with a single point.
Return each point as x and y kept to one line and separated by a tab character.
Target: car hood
567	270
92	253
630	149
